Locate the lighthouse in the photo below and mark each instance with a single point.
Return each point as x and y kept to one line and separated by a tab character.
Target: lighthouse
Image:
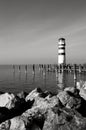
61	52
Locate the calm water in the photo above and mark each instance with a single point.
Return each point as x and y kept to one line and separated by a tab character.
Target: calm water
16	82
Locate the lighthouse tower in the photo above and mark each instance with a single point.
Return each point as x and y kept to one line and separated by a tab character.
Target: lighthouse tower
61	52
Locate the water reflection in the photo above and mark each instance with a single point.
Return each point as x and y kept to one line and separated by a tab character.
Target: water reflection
60	80
34	78
19	76
26	76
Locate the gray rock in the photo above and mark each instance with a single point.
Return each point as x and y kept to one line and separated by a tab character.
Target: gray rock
82	93
81	84
22	94
44	113
70	89
35	93
5	125
7	100
35	127
17	124
64	120
68	100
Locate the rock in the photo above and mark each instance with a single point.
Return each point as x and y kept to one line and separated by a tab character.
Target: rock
47	93
41	101
35	127
19	108
78	85
35	93
81	84
64	119
22	94
63	97
48	124
82	93
17	124
70	89
43	111
7	100
5	125
69	100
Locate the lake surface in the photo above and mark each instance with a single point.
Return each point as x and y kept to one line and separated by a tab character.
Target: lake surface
15	81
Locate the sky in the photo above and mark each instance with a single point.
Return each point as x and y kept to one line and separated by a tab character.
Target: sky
30	29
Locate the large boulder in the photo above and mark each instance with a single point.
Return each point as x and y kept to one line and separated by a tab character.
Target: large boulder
35	93
51	120
70	89
22	95
64	119
41	99
82	93
81	86
7	100
69	100
17	124
35	127
43	111
5	125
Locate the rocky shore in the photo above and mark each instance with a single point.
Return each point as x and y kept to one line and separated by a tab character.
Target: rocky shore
40	110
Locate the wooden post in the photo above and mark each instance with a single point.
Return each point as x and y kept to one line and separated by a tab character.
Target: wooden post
42	67
75	77
25	68
44	70
80	69
39	67
48	68
13	68
56	71
19	68
33	69
62	68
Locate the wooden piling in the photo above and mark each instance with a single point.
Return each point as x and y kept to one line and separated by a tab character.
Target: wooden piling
56	71
33	69
19	68
75	75
13	68
25	68
80	69
44	69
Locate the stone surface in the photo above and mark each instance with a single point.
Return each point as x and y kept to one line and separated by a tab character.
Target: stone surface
22	94
63	97
81	86
17	124
70	89
5	125
43	111
35	93
35	127
64	119
7	100
82	93
69	100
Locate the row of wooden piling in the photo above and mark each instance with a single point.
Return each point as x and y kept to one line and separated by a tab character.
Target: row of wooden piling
53	68
75	69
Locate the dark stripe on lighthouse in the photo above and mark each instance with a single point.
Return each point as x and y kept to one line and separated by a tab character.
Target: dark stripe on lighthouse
61	48
61	53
